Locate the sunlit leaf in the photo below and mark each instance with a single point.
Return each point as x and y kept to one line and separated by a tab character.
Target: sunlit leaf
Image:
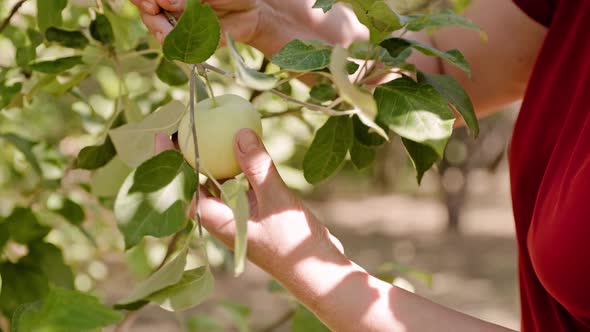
134	142
247	76
454	93
107	180
235	196
351	93
415	111
170	274
194	287
160	213
196	35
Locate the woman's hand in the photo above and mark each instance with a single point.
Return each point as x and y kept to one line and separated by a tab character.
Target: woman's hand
281	232
264	24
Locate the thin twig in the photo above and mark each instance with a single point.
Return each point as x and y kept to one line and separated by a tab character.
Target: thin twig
279	322
192	102
13	12
169	250
313	107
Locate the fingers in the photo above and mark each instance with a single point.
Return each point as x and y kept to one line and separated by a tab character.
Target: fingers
216	217
172	5
231	5
158	25
147	6
258	167
163	143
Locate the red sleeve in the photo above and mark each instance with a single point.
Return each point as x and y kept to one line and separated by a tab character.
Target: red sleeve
539	10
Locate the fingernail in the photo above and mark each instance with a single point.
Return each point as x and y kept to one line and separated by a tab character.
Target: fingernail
149	7
247	141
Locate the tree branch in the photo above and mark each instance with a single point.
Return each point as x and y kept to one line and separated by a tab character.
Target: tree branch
13	12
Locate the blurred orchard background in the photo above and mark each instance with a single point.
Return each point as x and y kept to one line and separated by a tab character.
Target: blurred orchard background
451	239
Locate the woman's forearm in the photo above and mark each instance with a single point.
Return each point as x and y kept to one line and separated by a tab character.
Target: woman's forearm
347	298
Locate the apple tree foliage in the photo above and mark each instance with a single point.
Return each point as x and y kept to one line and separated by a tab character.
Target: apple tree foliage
87	69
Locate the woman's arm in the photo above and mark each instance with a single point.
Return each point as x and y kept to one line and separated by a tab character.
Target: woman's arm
288	241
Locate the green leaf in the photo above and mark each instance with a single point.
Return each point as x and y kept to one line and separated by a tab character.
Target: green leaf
362	156
196	35
325	5
454	93
236	197
23	226
7	93
50	261
423	157
107	180
158	214
49	13
25	147
128	31
65	310
353	94
170	73
71	39
323	92
444	18
101	30
35	37
194	287
72	212
415	111
24	55
157	172
57	66
247	76
395	45
303	56
382	21
170	274
134	142
96	156
22	284
328	149
305	321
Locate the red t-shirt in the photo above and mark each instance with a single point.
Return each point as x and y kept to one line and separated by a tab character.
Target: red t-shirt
550	173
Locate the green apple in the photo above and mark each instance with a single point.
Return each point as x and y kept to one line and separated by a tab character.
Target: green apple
217	124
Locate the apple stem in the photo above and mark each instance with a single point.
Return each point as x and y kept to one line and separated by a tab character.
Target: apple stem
203	72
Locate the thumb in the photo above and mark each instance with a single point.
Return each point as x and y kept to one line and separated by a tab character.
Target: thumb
257	165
